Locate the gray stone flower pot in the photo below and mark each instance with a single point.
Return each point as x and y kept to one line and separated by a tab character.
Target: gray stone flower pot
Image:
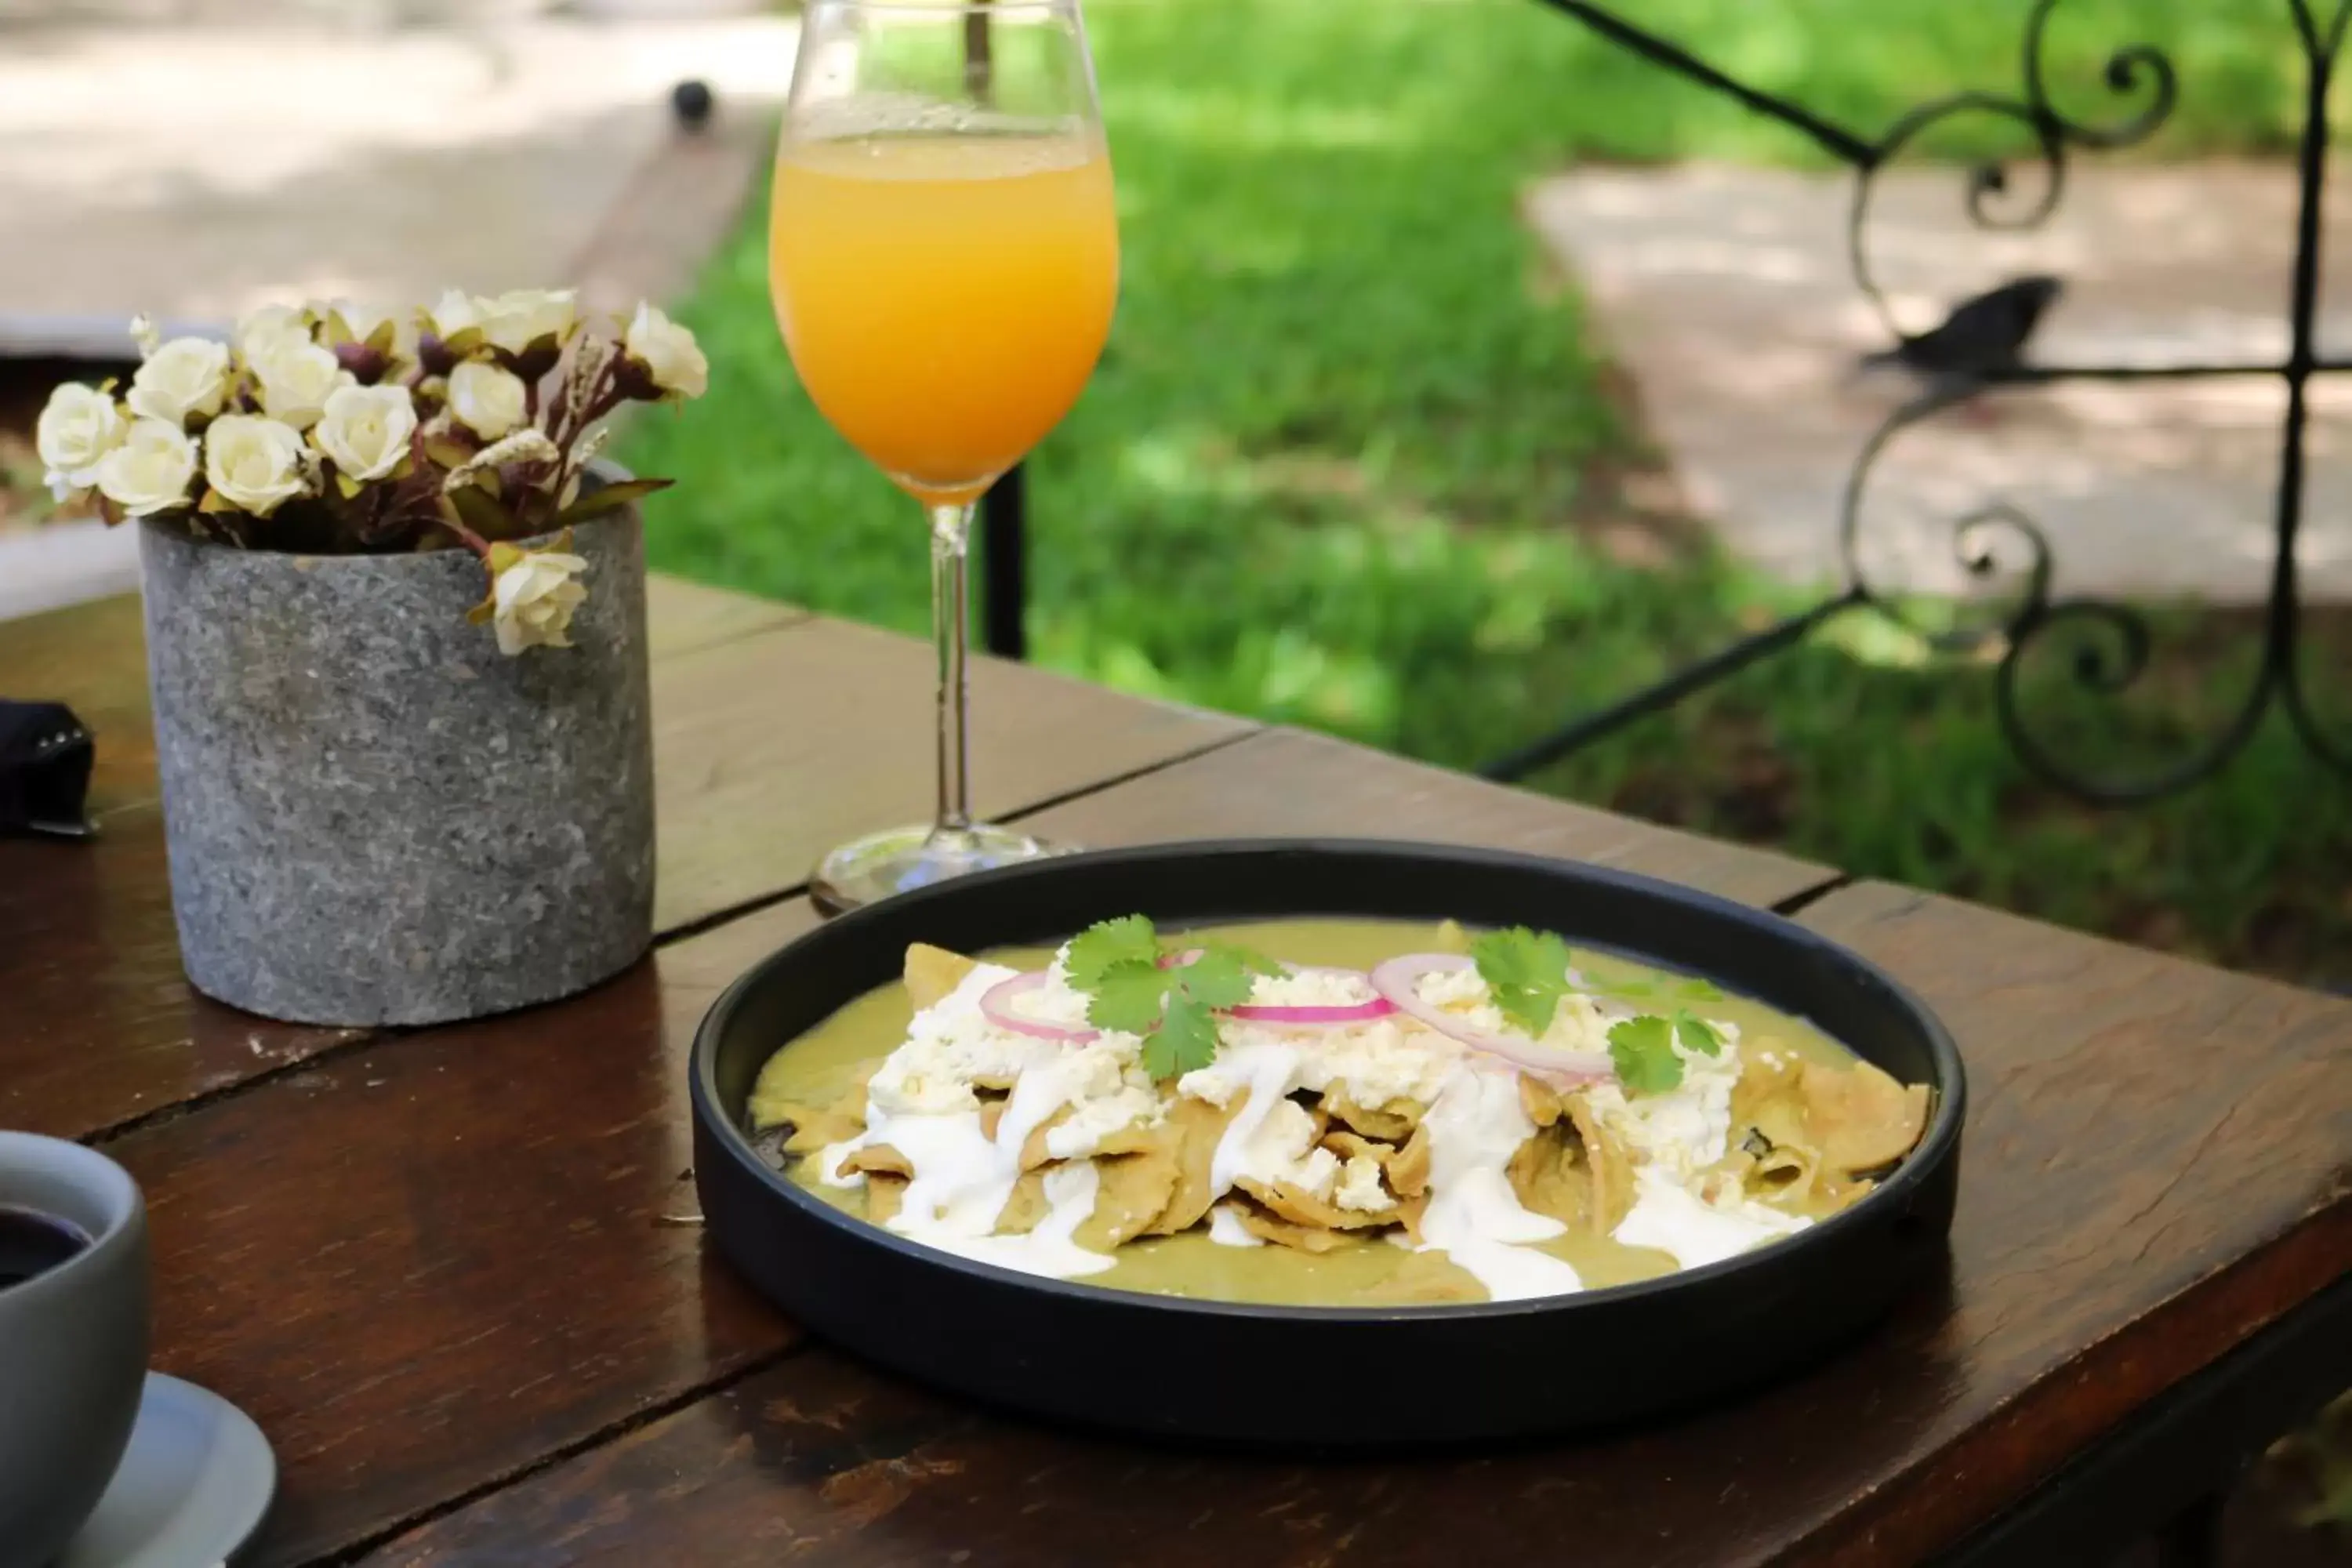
375	817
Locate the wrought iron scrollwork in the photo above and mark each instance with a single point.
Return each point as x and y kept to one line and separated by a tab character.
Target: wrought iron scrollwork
2112	644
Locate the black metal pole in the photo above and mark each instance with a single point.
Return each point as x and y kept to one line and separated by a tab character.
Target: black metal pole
1004	565
1671	690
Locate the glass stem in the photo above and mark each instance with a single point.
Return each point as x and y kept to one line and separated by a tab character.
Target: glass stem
951	629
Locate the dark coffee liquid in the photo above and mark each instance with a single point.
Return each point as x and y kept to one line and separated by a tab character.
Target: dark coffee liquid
32	1243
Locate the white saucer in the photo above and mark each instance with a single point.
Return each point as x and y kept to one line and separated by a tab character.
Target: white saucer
192	1489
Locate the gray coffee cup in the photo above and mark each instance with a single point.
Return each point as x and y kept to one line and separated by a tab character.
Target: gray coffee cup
73	1346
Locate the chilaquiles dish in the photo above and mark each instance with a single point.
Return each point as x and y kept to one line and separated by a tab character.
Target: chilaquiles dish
1328	1112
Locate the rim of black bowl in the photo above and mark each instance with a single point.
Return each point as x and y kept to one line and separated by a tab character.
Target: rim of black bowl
1943	1129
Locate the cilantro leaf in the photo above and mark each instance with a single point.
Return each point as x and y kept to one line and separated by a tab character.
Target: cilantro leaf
1133	986
1699	989
1697	1034
1102	947
1526	974
1185	1040
1220	977
1129	996
1643	1050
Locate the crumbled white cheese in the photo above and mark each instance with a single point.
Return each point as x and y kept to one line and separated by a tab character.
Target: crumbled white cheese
952	1045
1226	1229
1578	1024
1311	988
1360	1186
1083	1131
1685	1128
1378	1062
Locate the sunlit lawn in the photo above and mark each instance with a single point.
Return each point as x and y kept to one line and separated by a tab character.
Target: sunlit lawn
1347	462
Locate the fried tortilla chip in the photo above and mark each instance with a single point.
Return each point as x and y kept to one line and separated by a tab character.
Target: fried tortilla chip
1408	1168
1768	1095
1539	1101
1135	1192
1136	1138
1548	1174
1289	1200
1609	1169
932	973
1862	1119
1392	1123
1194	1126
1283	1233
1348	1144
878	1159
812	1129
1026	1206
883	1193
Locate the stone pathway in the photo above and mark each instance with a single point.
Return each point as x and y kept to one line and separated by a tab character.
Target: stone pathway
1728	295
193	172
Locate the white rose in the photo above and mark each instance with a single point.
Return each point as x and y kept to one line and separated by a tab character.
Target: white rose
254	464
268	324
150	471
533	599
185	376
669	353
456	313
366	430
520	317
78	426
297	378
487	400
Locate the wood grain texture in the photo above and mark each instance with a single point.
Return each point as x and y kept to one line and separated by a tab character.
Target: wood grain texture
433	1261
1287	782
2158	1164
683	617
774	749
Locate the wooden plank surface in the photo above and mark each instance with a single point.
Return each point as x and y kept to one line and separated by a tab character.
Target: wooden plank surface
756	775
498	1187
2156	1166
775	749
1286	782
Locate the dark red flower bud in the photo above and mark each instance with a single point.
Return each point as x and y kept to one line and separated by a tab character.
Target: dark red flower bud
434	356
367	366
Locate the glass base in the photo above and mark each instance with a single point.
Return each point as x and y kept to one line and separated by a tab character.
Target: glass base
873	868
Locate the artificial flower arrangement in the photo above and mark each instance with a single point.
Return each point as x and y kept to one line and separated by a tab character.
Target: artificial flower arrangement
333	429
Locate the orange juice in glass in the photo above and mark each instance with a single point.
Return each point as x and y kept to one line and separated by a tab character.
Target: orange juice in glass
943	254
945	298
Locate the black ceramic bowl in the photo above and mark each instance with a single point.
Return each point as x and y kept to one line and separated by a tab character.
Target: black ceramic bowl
1170	1367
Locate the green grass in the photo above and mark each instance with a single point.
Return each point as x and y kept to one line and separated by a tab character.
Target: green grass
1350	462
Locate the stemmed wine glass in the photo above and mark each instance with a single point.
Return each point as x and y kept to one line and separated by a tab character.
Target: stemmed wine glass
943	256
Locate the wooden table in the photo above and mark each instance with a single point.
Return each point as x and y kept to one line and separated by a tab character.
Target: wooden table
438	1268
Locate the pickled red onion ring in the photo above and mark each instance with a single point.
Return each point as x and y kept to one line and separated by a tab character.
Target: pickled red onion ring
996	1005
1329	1015
1398	980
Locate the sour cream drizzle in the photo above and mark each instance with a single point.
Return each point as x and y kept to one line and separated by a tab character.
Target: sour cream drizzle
1475	1124
962	1178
